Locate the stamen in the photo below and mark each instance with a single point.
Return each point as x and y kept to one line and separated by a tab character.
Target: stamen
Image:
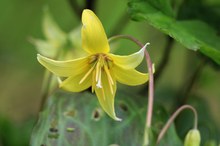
97	71
99	84
59	80
110	85
110	80
86	75
108	74
93	81
92	59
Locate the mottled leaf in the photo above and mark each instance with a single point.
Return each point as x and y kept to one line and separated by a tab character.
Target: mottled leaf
77	119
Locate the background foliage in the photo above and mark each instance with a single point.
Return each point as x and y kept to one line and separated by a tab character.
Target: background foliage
183	74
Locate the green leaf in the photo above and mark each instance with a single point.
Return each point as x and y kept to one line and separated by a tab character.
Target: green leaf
77	119
193	34
201	10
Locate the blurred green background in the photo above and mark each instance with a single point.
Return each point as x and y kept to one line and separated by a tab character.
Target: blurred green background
21	75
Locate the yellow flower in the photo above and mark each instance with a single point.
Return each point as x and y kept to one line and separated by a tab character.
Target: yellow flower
99	69
58	44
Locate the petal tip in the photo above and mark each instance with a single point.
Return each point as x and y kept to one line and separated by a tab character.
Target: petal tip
143	49
87	12
61	84
39	57
118	119
145	46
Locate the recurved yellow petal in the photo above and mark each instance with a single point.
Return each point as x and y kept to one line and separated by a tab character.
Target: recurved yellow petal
130	61
94	39
130	77
73	83
64	68
106	97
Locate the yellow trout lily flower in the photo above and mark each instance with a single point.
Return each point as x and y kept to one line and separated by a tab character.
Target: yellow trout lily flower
57	43
99	69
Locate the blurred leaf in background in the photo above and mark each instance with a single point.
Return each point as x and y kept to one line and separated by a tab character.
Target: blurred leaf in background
63	121
187	32
12	134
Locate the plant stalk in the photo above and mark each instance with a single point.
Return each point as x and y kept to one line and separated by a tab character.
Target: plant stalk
173	117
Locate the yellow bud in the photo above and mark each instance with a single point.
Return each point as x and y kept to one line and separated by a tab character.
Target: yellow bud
192	138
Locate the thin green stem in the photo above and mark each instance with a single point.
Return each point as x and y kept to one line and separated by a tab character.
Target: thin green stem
173	117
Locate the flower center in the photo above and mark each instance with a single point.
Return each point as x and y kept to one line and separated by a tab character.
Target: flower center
103	59
99	63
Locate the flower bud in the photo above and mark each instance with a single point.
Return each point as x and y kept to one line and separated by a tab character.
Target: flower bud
192	138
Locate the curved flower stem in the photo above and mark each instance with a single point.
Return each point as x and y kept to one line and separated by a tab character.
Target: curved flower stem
175	114
151	78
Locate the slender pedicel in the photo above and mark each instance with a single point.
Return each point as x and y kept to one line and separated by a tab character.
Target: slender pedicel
175	114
